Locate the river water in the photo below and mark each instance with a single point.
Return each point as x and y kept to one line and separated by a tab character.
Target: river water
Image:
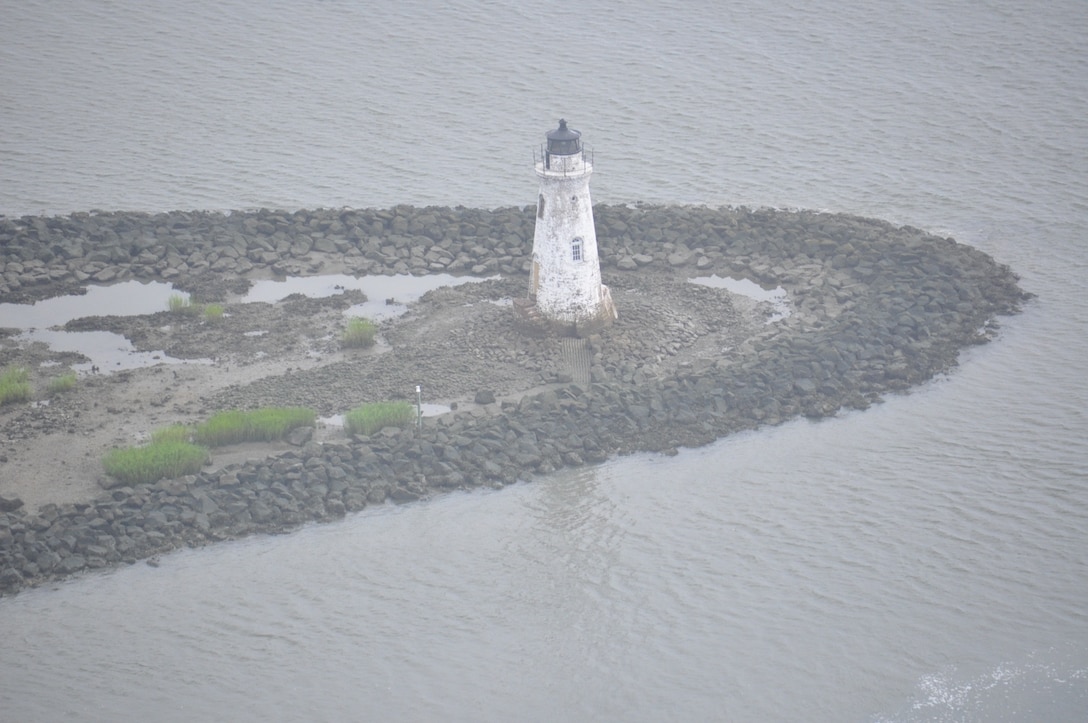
921	560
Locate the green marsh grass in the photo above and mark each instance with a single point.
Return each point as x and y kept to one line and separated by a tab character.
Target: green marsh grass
213	313
172	433
370	418
178	449
359	333
14	385
259	425
155	461
179	304
64	383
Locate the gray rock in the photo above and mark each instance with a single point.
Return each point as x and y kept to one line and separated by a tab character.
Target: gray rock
205	504
680	258
805	386
154	520
72	563
47	560
260	512
299	436
400	494
10	578
10	504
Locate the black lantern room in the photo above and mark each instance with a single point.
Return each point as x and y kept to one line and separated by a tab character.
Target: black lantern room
563	141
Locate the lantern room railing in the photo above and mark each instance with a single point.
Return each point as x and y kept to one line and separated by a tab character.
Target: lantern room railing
543	159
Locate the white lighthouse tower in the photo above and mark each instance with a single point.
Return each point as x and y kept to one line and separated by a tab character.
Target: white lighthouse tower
565	286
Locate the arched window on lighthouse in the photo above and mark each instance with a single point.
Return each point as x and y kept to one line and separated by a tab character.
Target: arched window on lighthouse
576	248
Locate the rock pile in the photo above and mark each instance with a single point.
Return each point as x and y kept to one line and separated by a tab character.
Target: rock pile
875	309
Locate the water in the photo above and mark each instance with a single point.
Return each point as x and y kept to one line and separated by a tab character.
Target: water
776	297
104	350
921	560
387	296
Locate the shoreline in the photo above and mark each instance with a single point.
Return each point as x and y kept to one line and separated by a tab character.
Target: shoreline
875	309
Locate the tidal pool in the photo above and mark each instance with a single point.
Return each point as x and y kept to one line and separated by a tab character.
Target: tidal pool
387	296
105	350
776	297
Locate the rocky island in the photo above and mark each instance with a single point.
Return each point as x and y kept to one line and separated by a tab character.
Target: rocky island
873	309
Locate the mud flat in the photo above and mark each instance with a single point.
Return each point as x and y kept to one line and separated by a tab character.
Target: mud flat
872	309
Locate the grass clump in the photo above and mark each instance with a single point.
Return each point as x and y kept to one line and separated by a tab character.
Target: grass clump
259	425
14	385
154	461
370	418
178	449
64	383
173	433
183	306
213	313
359	333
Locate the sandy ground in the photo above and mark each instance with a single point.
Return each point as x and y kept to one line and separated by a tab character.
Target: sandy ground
54	447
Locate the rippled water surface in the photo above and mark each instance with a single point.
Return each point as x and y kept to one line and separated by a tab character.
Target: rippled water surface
921	560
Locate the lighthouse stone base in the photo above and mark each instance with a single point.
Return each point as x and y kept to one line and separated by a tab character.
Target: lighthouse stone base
529	320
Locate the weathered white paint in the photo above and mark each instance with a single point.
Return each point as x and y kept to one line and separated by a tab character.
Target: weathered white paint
566	277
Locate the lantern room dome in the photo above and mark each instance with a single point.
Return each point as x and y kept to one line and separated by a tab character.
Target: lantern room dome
564	141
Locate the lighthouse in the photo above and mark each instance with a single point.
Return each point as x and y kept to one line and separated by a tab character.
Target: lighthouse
565	289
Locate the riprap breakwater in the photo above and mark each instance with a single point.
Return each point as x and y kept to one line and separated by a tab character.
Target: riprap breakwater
875	309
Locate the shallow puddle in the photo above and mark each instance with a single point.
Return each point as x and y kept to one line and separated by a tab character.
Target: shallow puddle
388	296
113	352
105	350
129	298
776	297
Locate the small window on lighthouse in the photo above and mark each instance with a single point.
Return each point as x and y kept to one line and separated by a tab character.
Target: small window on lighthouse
576	249
540	207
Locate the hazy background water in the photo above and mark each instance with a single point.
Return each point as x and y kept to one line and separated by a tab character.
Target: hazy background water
922	560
